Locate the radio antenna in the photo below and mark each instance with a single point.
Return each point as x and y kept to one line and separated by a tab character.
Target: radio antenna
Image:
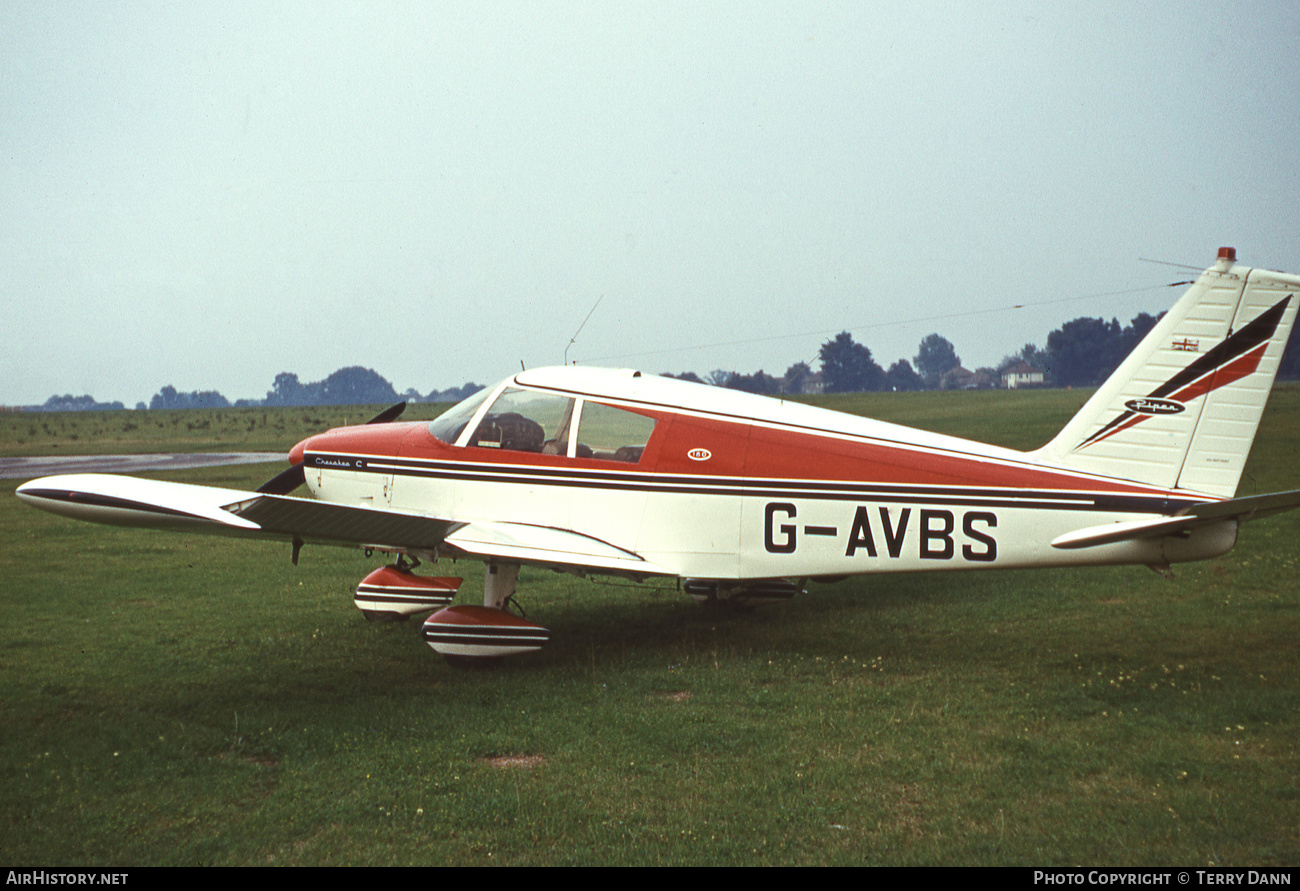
1167	263
574	338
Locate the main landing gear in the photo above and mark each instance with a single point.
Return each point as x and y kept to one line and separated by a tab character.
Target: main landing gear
464	635
473	635
395	593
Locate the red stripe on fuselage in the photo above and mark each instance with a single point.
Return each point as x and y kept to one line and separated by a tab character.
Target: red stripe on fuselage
755	451
776	453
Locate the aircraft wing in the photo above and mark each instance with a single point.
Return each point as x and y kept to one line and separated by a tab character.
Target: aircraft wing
181	507
1251	507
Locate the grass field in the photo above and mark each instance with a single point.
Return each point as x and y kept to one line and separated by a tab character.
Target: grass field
174	699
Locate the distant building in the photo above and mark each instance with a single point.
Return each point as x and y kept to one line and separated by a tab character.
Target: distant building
960	378
1022	374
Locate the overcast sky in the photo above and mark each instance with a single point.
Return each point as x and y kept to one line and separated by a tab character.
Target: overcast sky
205	195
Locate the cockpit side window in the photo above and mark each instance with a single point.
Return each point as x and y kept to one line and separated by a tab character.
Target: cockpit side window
607	433
526	421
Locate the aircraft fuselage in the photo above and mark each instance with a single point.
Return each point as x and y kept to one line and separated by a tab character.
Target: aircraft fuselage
751	488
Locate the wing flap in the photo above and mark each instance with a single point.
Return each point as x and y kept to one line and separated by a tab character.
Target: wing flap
321	521
523	543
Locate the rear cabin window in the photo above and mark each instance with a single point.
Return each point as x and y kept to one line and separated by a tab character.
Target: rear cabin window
612	434
526	421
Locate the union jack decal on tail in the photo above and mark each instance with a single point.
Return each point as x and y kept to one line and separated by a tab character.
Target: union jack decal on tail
1236	357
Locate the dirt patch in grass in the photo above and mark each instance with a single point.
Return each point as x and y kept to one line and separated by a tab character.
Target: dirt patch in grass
513	760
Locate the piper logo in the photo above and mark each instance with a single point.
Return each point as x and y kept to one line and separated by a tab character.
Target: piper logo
1150	406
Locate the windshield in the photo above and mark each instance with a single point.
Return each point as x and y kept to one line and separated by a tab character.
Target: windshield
448	425
526	421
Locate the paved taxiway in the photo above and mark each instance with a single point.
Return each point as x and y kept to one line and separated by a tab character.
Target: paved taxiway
30	468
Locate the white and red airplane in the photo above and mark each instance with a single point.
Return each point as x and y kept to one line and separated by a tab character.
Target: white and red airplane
747	497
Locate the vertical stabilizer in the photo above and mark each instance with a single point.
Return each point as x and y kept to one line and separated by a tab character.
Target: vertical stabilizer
1182	410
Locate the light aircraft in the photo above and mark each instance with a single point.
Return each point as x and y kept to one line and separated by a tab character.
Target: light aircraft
746	498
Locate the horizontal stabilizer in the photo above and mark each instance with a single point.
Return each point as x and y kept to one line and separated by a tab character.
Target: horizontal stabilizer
1240	509
1111	533
1252	507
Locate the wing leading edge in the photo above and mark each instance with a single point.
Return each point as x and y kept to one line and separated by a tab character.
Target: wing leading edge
181	507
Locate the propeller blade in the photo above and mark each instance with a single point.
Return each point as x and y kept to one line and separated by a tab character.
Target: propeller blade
392	413
285	482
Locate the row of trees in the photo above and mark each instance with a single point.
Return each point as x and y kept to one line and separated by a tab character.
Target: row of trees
69	402
168	397
846	367
1080	353
1085	351
347	386
354	386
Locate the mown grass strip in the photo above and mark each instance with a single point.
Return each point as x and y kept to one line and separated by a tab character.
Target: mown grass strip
183	700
